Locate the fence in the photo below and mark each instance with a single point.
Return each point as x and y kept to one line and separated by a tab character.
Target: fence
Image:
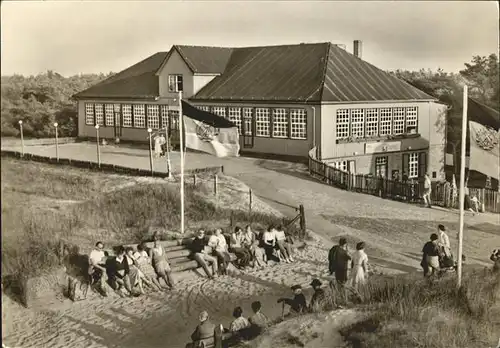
410	192
103	167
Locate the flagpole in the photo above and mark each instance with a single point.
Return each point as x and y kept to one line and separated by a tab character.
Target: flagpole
181	131
462	188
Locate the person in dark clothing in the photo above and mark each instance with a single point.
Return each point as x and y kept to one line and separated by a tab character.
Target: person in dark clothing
117	269
339	261
495	257
298	302
430	256
198	248
318	296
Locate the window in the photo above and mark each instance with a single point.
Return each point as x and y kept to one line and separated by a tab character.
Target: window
341	165
411	119
174	119
235	117
280	123
127	115
413	165
342	123
219	111
117	107
358	123
174	83
385	121
139	116
99	114
164	115
398	126
381	166
247	117
298	124
262	122
371	122
89	114
109	111
153	116
204	108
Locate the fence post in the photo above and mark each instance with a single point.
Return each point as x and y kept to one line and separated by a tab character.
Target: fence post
215	184
250	200
231	221
194	179
61	252
302	220
482	191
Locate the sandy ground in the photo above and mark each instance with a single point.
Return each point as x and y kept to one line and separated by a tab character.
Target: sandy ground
394	233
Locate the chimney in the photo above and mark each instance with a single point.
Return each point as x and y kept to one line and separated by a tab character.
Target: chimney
358	48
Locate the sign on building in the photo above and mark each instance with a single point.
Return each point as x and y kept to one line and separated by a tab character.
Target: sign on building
382	147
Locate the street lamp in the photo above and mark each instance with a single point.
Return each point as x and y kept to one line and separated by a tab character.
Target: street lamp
22	137
98	148
57	143
150	150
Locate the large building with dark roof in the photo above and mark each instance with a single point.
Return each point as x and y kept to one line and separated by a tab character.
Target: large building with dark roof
286	100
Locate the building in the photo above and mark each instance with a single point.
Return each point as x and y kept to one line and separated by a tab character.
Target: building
287	100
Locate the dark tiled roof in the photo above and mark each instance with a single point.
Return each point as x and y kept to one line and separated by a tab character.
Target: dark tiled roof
349	78
280	73
482	114
204	59
138	81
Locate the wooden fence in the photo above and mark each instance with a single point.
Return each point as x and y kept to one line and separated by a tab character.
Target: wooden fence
410	191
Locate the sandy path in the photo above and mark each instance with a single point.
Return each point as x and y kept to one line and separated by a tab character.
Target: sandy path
155	319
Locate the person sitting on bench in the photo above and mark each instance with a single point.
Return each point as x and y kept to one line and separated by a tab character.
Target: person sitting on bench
218	244
97	267
200	252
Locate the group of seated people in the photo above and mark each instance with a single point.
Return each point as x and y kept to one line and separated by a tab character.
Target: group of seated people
242	328
250	248
130	269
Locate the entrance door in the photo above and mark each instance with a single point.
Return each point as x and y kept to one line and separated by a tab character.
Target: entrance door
381	167
248	128
118	121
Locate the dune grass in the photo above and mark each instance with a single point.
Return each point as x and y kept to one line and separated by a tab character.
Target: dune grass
43	204
408	311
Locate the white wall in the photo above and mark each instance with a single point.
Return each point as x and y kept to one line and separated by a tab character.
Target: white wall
200	81
176	65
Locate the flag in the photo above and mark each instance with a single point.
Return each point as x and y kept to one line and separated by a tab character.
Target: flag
207	132
484	150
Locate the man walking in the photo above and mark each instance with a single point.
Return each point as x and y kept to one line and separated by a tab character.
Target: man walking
427	191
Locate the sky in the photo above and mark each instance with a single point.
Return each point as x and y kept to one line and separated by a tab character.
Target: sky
72	37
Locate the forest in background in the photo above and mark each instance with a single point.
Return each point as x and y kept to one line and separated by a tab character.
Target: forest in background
44	99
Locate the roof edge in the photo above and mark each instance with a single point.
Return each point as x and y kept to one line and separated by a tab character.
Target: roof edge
324	70
378	101
176	48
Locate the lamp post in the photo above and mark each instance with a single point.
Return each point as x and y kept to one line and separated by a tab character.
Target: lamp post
150	151
22	137
57	143
98	148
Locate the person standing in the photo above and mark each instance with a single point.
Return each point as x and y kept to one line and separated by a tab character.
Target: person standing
430	256
339	262
359	266
427	191
444	241
495	257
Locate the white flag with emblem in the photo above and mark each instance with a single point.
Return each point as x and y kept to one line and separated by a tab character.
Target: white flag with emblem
207	132
484	150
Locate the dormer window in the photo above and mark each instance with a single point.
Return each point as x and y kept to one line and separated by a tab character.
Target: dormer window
175	83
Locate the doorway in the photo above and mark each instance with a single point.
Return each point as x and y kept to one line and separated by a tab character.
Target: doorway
248	128
118	119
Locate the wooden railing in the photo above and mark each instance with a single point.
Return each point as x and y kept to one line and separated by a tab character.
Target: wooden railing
410	191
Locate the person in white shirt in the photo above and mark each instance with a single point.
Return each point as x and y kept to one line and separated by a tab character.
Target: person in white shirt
284	247
427	191
444	241
97	266
236	247
240	322
475	204
269	241
218	243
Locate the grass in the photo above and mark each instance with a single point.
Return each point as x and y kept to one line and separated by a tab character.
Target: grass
43	204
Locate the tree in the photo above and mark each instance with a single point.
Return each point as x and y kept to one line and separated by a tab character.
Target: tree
482	77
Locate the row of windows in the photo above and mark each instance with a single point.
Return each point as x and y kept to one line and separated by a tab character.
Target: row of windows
131	115
269	122
373	122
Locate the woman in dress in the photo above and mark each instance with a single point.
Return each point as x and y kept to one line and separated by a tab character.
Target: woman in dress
160	263
135	274
143	261
359	266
